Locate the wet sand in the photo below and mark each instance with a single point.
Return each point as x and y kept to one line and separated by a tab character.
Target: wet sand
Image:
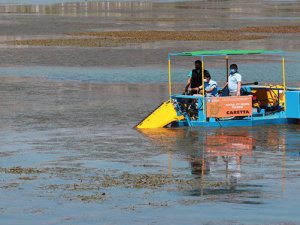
123	38
143	31
69	152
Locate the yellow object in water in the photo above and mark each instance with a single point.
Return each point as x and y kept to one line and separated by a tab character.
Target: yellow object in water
160	117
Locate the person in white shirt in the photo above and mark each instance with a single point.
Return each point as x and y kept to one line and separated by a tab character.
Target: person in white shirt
234	81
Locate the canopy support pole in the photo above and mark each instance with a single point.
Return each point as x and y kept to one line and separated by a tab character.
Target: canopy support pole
227	67
284	83
203	91
169	75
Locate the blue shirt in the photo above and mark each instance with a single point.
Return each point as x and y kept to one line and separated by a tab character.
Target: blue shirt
208	86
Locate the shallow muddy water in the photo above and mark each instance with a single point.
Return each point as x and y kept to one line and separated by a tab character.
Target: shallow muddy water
69	153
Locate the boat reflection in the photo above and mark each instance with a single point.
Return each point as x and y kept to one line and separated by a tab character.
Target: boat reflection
231	149
200	148
218	156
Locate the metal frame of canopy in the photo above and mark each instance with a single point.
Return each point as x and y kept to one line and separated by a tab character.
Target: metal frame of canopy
226	53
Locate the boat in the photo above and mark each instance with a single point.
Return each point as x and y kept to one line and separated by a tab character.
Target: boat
257	105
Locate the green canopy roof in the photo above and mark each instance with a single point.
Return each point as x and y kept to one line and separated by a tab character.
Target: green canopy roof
225	52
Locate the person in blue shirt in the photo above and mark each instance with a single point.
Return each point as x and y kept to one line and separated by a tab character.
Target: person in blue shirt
210	87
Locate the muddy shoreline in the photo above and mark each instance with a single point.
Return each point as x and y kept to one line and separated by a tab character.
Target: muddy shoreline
123	38
101	33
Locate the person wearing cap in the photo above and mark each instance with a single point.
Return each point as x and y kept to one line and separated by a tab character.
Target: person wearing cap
195	78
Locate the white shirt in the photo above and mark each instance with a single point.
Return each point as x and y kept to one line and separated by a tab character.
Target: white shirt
233	80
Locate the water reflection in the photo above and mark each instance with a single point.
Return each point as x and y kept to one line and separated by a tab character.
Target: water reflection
75	8
230	10
210	146
231	161
230	149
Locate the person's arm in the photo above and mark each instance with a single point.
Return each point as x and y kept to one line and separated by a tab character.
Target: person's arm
224	88
194	89
239	89
211	89
239	84
188	83
198	89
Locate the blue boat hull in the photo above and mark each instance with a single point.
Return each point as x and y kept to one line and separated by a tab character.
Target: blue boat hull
238	123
